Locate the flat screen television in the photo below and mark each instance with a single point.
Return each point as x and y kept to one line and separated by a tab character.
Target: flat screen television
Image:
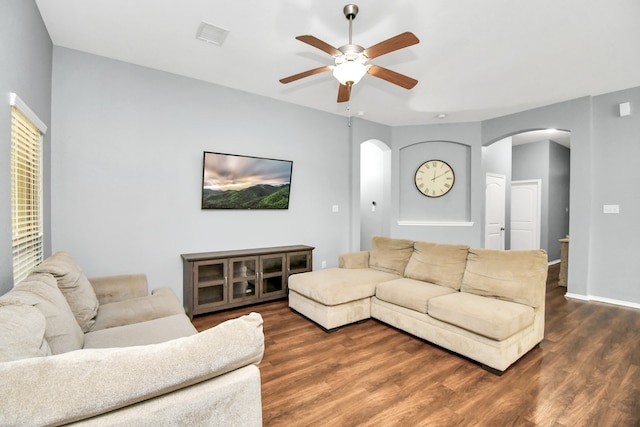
232	181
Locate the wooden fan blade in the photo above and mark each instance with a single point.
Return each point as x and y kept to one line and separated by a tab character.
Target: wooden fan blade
304	74
394	43
392	77
317	43
344	93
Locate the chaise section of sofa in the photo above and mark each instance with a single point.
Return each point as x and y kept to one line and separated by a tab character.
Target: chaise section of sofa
338	296
105	352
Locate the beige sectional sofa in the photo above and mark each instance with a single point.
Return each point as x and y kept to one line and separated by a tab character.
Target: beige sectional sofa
483	304
105	352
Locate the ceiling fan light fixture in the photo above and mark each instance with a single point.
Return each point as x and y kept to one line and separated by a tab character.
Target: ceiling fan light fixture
351	59
349	72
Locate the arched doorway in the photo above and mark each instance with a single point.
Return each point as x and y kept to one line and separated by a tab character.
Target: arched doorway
532	155
375	176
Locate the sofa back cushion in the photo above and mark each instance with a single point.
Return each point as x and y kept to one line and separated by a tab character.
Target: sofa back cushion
438	263
390	255
22	330
75	287
517	276
41	291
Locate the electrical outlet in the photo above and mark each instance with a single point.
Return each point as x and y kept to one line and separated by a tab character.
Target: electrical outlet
324	264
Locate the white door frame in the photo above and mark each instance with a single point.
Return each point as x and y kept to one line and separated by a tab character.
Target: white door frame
490	228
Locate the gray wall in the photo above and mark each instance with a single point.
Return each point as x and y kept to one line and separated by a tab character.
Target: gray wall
614	177
362	131
559	193
127	169
603	250
25	69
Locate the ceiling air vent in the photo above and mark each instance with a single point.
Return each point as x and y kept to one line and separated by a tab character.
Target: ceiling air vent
211	33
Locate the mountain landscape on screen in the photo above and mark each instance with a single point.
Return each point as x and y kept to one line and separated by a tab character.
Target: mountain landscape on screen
231	181
260	196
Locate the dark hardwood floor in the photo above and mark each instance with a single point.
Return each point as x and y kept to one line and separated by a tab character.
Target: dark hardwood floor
586	372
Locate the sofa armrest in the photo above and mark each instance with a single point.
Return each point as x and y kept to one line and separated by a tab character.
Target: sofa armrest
354	260
84	383
232	399
120	287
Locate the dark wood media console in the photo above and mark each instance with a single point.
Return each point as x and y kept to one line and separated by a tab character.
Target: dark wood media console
214	281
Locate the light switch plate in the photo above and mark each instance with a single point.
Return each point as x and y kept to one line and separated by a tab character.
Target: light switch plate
611	209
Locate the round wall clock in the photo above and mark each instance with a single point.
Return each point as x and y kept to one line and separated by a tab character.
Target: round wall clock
434	178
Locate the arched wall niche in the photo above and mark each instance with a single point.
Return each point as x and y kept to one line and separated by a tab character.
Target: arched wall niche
455	206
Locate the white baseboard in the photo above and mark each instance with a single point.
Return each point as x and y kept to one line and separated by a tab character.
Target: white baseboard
437	223
602	299
577	296
555	261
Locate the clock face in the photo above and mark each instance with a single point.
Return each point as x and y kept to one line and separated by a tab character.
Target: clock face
434	178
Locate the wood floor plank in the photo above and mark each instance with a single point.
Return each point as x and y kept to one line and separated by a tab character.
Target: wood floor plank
585	372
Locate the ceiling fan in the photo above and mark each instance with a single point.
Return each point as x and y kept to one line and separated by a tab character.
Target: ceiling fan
350	60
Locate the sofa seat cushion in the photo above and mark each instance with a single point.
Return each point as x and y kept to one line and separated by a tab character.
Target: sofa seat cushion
161	303
438	263
390	255
485	316
41	291
334	286
22	329
517	276
74	285
143	333
410	293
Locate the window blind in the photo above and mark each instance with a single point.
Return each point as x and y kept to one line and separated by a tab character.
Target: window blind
26	195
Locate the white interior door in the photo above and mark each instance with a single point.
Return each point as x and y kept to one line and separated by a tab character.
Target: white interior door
525	214
495	196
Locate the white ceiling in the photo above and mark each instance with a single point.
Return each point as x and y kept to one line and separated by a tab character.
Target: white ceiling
476	59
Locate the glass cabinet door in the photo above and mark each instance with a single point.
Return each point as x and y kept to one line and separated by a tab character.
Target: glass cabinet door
210	279
273	275
298	262
244	278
